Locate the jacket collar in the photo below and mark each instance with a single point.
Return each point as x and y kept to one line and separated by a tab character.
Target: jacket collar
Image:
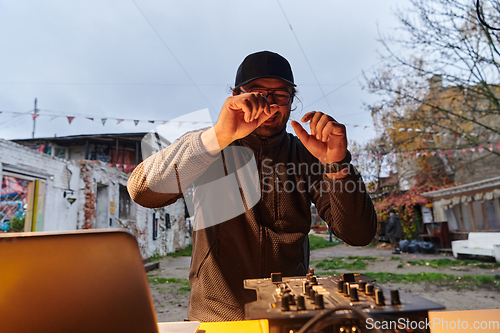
256	142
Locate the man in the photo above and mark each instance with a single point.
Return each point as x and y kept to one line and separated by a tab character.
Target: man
394	231
269	234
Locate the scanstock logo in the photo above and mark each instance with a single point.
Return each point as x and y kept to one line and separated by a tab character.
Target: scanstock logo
224	185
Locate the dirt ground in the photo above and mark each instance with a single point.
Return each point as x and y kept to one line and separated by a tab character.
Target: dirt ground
171	303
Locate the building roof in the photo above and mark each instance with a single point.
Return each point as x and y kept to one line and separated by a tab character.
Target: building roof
466	189
82	139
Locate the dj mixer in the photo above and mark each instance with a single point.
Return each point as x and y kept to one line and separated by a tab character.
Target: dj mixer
344	303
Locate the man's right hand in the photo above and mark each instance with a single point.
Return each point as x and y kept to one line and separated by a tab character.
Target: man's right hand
240	116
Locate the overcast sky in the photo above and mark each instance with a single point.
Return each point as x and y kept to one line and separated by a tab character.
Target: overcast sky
160	60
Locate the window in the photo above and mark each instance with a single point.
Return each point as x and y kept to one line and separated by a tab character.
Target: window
155	227
168	225
126	209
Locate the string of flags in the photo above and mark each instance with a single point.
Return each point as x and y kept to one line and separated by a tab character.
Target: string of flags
120	120
104	120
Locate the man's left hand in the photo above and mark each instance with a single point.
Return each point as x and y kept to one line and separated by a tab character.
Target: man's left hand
328	139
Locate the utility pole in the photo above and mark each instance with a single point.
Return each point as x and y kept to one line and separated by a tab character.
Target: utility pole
34	120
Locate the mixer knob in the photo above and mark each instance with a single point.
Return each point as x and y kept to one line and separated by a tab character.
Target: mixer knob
304	285
285	303
308	290
312	295
379	297
313	280
346	289
340	287
369	289
361	286
319	302
395	297
301	303
354	294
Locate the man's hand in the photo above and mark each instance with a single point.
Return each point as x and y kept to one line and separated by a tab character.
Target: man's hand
240	116
328	139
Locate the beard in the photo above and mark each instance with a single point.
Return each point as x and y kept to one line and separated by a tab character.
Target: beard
273	127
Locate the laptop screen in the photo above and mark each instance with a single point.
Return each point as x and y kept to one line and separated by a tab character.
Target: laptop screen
79	281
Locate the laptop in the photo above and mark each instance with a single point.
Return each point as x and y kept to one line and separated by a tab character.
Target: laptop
79	281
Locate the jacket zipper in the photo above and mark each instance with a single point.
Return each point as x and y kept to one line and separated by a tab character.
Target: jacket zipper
262	226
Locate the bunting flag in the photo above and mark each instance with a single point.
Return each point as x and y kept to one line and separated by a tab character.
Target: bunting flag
70	119
119	121
90	118
53	117
136	122
35	115
151	121
480	149
103	120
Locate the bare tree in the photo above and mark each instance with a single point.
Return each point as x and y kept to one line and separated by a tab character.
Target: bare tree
439	92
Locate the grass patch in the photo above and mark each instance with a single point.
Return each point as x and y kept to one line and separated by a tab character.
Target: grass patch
155	257
459	282
316	242
182	283
353	263
185	252
445	262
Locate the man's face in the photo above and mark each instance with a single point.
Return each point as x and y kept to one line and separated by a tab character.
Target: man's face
278	121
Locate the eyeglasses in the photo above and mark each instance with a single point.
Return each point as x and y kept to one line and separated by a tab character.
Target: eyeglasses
280	97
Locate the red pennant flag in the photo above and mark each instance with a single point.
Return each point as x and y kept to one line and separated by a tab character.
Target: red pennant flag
90	118
151	121
449	152
35	115
498	145
463	151
70	119
442	153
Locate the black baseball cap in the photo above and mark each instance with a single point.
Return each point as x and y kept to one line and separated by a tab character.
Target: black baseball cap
264	64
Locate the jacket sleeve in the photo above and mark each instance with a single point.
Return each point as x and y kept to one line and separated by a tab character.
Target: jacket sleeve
161	178
346	207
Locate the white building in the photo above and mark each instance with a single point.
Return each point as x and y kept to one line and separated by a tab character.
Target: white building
52	193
